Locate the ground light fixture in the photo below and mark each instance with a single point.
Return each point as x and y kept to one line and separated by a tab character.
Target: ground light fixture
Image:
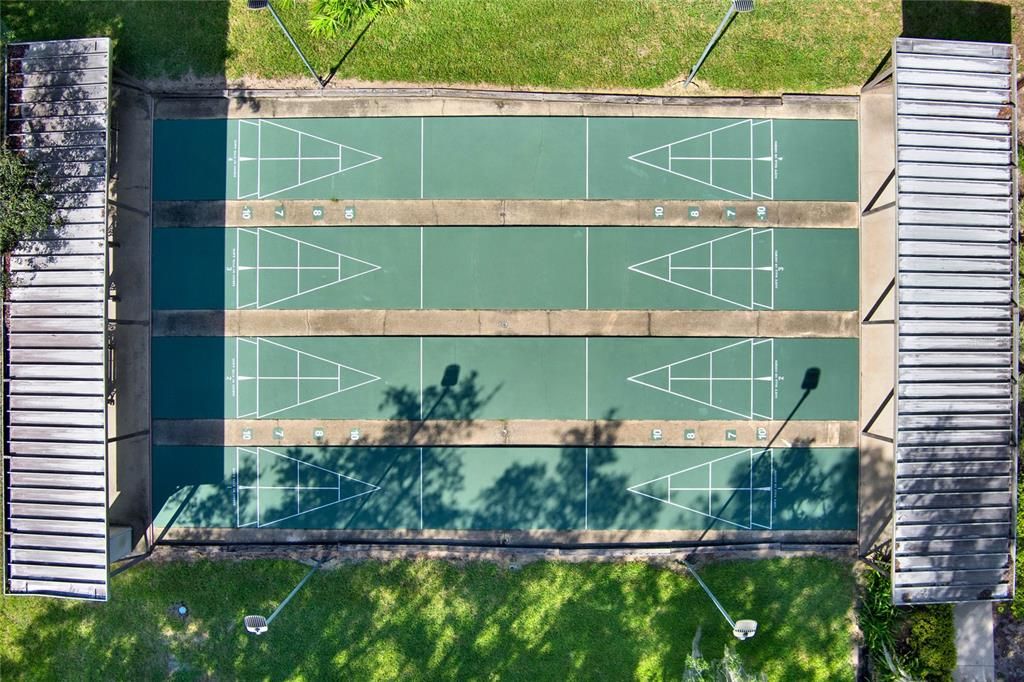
265	4
735	7
257	625
741	629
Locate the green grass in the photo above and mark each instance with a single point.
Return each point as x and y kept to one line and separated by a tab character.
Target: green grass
433	620
785	45
611	44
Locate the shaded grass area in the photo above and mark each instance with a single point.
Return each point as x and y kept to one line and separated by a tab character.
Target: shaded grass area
612	44
435	620
150	38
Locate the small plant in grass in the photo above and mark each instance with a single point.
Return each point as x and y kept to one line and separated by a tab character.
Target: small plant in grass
25	209
728	669
331	17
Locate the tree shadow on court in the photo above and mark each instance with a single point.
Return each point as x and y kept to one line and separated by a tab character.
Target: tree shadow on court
194	486
988	22
812	489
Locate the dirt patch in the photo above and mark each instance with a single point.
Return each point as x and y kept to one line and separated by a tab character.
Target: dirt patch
698	88
1009	644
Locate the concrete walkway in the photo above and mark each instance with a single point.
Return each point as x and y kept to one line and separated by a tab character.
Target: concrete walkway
975	651
877	309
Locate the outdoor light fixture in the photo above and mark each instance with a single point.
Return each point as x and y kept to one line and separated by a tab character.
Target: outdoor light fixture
741	629
257	624
735	7
265	4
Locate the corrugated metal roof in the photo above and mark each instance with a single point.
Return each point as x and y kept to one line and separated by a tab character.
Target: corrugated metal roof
956	141
55	494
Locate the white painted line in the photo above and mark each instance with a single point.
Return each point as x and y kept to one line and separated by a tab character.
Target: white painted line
421	265
586	266
298	487
298	379
257	471
421	378
710	158
669	488
421	158
653	268
238	160
259	163
238	487
586	156
656	378
293	487
341	148
421	488
751	181
257	372
261	232
753	374
586	488
586	378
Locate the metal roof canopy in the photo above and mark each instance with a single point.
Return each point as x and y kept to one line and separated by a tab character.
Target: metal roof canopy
55	464
956	336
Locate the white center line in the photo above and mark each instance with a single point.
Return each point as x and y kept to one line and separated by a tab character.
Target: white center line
586	267
586	378
421	266
586	156
586	489
421	378
421	157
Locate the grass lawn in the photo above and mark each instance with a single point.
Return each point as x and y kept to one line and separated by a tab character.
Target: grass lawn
789	45
432	620
785	45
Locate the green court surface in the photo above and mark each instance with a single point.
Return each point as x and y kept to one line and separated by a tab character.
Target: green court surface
503	378
460	488
506	268
506	157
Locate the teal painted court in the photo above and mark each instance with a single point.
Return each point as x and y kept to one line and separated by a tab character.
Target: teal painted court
503	378
510	157
476	488
552	268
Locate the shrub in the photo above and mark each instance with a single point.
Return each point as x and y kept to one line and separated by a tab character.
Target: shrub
929	646
331	17
25	209
905	643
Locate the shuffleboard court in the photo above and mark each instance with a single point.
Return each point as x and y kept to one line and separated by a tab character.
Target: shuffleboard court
503	378
508	157
508	268
473	488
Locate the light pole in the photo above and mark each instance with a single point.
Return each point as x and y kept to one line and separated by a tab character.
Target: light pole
265	4
741	629
735	7
257	625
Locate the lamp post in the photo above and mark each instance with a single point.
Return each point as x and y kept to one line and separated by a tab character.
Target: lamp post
265	4
735	7
741	629
257	625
